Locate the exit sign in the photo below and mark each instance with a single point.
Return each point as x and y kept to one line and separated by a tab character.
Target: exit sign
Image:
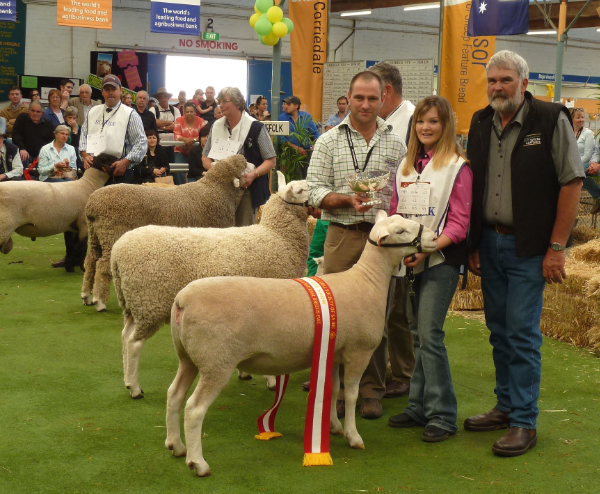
210	36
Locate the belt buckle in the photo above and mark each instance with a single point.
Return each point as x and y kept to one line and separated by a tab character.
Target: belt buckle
497	230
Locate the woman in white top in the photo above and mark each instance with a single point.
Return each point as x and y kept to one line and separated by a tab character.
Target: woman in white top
585	143
57	156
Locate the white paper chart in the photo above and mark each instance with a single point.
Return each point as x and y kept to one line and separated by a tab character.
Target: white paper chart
417	78
336	82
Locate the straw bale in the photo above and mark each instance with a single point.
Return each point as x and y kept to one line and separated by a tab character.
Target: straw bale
588	252
585	233
470	298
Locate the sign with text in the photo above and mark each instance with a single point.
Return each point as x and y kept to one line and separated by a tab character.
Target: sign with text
8	10
12	50
96	14
175	17
278	128
210	36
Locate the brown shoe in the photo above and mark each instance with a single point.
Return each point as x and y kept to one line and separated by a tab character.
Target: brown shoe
340	406
371	408
306	386
490	421
396	389
516	442
595	209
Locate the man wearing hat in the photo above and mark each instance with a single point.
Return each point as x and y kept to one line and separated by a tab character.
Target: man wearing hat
166	115
115	129
11	167
303	120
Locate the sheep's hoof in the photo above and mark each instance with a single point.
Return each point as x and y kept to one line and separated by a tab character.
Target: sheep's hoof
178	448
200	469
100	306
356	442
87	299
336	428
136	394
243	376
271	383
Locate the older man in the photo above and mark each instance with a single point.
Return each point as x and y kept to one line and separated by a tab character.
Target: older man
527	177
12	111
114	129
31	132
83	103
141	104
11	168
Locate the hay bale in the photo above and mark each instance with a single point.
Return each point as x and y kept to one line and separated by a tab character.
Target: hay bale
588	252
470	298
585	233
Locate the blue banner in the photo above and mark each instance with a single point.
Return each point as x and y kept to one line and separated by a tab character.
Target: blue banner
8	10
175	17
498	17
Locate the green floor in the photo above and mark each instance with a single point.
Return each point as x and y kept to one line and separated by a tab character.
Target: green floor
67	424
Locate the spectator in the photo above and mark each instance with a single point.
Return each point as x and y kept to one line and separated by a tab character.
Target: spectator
253	111
187	129
262	107
301	123
181	99
207	108
114	129
2	125
198	97
154	164
127	100
218	112
12	111
153	103
148	118
166	115
54	113
587	144
196	169
71	114
247	137
11	168
83	103
65	90
34	95
30	132
336	118
57	156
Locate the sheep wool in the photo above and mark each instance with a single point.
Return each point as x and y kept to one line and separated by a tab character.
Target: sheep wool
114	210
151	264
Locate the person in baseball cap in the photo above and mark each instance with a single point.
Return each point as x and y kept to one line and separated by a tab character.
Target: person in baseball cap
111	80
294	100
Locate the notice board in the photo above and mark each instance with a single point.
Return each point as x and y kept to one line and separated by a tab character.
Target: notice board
336	83
417	78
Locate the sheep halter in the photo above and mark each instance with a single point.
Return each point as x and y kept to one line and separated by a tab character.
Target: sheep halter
316	426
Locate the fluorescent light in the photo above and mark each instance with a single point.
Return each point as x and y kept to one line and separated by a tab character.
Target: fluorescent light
541	32
358	12
598	30
422	6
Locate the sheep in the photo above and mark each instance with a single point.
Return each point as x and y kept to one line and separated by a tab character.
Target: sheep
151	264
267	326
39	209
110	212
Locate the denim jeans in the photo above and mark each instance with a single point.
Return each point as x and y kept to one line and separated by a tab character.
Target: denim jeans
432	399
513	290
591	185
179	178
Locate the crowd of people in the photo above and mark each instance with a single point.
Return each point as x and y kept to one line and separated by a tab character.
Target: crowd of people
505	213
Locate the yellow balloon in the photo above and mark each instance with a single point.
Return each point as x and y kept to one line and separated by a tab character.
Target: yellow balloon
256	10
279	29
270	39
274	14
254	18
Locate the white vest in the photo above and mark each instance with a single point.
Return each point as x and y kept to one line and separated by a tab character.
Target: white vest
442	182
115	127
400	117
238	133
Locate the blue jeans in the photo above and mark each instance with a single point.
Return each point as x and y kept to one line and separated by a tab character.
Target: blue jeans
179	178
431	399
513	291
591	185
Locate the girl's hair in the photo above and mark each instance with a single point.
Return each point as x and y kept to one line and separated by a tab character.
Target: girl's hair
446	148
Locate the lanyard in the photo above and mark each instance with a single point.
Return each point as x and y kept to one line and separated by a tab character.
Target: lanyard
352	152
108	119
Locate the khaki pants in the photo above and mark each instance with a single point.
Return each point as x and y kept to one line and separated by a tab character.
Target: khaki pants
400	340
342	250
244	214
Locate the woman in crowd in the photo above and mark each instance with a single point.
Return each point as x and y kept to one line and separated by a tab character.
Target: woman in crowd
127	99
435	166
180	101
187	130
196	169
34	95
218	112
154	164
54	113
57	159
586	142
262	107
71	114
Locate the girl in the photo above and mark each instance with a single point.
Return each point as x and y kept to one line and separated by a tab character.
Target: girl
433	187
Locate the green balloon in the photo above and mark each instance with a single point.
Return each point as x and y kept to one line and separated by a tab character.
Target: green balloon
263	26
260	38
264	5
288	23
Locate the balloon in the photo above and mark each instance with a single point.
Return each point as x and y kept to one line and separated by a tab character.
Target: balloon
274	14
256	9
280	29
260	38
288	23
270	40
264	5
254	18
263	27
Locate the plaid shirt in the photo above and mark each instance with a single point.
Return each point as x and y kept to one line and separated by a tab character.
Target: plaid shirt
332	162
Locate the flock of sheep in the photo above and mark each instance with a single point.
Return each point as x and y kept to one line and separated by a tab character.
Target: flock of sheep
173	253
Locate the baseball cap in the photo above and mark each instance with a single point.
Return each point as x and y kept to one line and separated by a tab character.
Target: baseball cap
111	80
293	100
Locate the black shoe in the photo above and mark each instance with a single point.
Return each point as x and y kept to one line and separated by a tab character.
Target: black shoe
69	269
60	264
435	434
403	421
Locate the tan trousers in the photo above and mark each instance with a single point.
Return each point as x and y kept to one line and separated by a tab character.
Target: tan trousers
401	346
342	250
244	214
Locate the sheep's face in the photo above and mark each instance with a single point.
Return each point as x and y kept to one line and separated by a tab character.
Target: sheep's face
295	192
398	230
239	182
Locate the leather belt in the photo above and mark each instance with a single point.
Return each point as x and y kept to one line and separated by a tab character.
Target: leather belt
502	230
363	226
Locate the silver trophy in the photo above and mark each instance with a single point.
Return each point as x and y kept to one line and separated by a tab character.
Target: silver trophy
368	183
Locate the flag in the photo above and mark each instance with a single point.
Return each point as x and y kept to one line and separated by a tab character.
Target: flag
498	17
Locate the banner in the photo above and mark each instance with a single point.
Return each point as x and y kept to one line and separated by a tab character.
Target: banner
95	14
463	80
175	17
499	17
309	53
12	50
8	10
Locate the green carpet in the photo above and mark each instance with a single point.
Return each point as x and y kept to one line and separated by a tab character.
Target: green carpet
67	424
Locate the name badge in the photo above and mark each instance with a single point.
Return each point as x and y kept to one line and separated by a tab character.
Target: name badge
96	144
224	148
532	140
413	198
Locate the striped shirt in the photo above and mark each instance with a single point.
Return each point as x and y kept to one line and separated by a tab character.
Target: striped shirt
332	162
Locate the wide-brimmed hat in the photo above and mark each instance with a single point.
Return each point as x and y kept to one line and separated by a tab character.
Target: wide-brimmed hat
161	91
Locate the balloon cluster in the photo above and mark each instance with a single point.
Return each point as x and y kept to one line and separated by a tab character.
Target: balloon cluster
269	23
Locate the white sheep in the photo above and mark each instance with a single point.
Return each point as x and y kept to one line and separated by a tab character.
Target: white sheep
114	210
151	264
39	209
266	326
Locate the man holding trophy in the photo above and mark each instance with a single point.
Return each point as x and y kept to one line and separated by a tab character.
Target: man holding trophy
357	155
